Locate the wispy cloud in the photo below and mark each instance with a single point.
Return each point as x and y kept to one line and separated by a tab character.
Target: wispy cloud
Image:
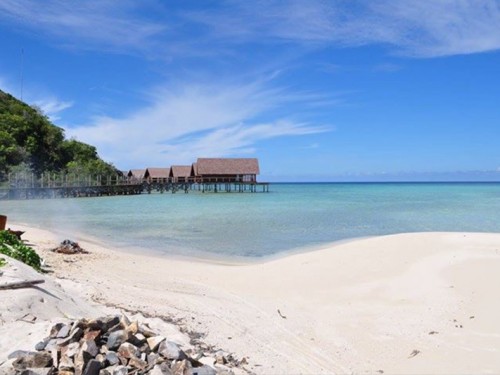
85	24
421	28
48	103
190	121
52	107
235	140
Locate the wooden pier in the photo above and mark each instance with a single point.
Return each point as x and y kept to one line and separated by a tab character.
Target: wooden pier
21	186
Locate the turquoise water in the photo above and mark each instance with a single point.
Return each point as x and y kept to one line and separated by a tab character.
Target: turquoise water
290	217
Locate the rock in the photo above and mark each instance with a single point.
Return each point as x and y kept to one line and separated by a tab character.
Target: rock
36	371
116	338
101	358
66	363
53	344
146	331
210	361
243	361
220	357
140	337
92	368
71	349
154	341
106	371
64	331
20	353
128	350
137	363
69	247
95	325
170	350
162	369
80	362
55	357
153	358
124	320
203	370
91	335
112	358
115	346
75	335
55	329
132	328
120	370
90	347
36	360
181	367
42	344
110	321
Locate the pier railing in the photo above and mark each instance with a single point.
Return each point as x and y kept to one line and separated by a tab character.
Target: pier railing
54	185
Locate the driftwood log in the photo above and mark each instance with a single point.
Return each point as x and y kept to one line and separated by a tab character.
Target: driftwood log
21	284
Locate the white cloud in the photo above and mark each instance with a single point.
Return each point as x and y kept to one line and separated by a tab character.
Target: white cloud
438	28
49	104
424	28
87	24
52	106
238	139
191	121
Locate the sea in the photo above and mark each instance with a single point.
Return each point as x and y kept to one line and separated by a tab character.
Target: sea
290	218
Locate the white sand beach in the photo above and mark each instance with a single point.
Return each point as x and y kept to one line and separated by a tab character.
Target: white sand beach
423	303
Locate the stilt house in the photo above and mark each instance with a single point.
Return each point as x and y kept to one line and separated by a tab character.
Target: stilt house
136	175
180	173
157	175
226	169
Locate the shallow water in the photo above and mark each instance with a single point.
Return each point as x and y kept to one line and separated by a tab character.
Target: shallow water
290	217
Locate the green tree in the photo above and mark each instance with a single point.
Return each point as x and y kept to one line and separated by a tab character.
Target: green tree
28	137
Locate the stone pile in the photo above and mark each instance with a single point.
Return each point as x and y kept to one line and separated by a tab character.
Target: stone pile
115	346
69	247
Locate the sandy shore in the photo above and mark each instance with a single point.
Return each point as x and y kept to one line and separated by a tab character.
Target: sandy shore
408	303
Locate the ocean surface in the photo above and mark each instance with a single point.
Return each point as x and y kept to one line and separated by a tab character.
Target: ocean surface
290	218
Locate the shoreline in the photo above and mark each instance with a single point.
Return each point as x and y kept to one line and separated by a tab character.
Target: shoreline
361	306
201	257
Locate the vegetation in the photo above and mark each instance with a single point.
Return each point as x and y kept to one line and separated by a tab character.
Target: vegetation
3	262
13	247
29	142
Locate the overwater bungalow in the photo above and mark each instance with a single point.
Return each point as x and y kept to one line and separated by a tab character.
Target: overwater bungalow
135	175
180	173
157	175
226	170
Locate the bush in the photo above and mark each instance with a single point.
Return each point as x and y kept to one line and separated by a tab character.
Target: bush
11	246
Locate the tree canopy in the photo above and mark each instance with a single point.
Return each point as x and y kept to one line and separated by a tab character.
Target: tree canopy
28	138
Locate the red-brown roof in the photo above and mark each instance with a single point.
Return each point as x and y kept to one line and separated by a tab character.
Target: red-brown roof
180	171
227	166
157	172
136	173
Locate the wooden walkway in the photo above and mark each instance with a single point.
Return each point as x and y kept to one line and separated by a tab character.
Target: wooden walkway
64	187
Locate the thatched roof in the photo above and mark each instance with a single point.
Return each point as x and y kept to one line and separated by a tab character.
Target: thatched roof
226	166
180	171
136	173
157	172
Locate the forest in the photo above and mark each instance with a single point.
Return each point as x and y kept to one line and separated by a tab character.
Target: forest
31	143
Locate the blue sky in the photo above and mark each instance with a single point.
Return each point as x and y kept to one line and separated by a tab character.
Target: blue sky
317	90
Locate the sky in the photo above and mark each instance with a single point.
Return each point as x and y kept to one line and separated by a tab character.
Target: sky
339	90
